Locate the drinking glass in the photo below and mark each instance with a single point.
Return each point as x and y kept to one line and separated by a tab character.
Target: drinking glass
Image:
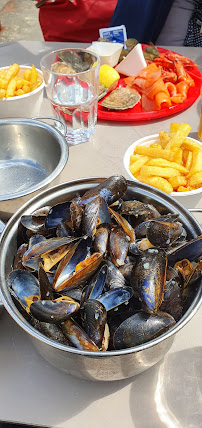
71	79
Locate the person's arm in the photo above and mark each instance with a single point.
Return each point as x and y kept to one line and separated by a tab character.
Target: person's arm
41	2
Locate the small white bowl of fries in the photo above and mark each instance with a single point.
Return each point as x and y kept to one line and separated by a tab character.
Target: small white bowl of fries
171	162
21	91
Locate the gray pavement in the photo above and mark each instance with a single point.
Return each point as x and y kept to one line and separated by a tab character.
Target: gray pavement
19	21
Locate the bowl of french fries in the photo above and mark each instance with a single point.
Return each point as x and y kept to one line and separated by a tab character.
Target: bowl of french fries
171	162
21	91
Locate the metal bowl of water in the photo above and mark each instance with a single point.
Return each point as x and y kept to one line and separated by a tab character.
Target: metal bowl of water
33	154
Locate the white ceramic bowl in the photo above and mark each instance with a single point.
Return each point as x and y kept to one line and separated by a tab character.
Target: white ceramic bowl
108	52
27	105
190	198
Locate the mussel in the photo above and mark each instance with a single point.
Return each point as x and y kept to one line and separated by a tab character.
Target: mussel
110	189
94	318
148	277
140	328
23	285
54	311
163	234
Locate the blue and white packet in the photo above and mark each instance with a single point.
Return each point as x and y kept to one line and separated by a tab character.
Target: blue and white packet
114	34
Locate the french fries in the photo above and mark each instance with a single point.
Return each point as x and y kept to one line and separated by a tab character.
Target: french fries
13	82
159	182
159	171
138	164
171	164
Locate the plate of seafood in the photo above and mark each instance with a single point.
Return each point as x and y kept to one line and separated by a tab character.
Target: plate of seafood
95	272
169	84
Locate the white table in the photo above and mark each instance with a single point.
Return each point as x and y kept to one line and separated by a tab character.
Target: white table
32	391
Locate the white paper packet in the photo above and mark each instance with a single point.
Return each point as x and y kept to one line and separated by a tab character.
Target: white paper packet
114	34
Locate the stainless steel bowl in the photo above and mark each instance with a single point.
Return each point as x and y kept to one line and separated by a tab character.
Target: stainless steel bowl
2	226
110	365
33	154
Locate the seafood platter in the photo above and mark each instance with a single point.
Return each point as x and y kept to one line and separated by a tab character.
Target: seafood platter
102	273
154	83
168	84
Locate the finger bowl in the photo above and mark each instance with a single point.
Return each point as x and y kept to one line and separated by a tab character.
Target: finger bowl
100	366
33	154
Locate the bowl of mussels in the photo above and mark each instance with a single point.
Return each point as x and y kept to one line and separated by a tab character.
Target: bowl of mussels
102	273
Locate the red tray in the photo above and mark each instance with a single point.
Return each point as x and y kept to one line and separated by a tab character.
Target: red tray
136	114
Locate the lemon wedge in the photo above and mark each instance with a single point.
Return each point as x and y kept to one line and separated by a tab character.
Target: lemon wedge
108	76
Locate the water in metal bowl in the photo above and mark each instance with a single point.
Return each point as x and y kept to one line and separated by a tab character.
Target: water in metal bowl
32	155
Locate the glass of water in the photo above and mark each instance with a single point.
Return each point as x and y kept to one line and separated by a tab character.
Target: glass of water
71	79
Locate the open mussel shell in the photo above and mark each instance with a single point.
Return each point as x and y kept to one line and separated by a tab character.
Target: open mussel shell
76	213
77	336
54	311
35	239
94	289
72	277
191	250
68	264
45	247
34	224
23	284
173	294
115	297
184	267
58	213
124	224
17	264
194	274
63	230
46	291
95	213
74	292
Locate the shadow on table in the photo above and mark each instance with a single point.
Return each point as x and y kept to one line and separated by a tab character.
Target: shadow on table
169	394
166	395
37	392
26	52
